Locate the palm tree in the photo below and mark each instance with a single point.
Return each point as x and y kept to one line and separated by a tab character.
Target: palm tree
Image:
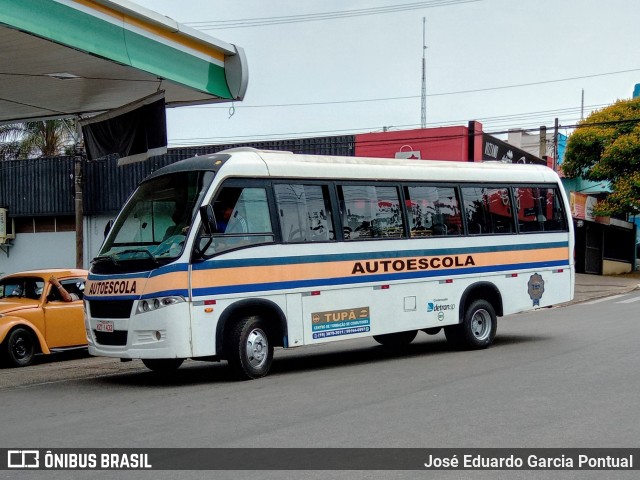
46	138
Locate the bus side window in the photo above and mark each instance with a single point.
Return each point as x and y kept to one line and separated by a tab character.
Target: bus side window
433	211
488	210
242	218
242	210
304	212
370	211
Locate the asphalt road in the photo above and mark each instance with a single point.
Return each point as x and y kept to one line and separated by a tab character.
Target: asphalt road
560	377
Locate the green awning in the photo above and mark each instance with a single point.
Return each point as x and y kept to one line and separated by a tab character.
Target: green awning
69	57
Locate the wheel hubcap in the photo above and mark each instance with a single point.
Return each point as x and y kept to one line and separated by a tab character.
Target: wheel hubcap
19	348
257	348
481	324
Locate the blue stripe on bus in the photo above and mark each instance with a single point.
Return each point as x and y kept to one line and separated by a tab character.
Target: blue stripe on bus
323	282
171	268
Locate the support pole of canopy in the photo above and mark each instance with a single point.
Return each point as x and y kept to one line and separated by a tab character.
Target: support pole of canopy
79	213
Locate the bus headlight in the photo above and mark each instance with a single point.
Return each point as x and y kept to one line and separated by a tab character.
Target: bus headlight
151	304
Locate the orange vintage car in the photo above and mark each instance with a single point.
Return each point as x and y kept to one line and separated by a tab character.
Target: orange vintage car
37	316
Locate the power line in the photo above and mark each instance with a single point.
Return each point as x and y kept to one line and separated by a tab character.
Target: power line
412	97
567	79
442	137
511	118
310	17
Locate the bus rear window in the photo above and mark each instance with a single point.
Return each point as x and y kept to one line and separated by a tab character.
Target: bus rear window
539	209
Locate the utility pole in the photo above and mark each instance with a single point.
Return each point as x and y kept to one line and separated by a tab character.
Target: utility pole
582	106
556	127
423	110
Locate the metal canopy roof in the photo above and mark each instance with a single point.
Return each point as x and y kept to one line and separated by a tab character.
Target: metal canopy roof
62	58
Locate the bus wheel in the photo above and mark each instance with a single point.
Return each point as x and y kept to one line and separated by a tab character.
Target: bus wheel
19	348
249	351
478	327
162	364
395	340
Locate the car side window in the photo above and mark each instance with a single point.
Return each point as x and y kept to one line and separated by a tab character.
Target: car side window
23	287
74	286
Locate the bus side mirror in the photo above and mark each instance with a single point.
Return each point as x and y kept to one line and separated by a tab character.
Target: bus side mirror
208	219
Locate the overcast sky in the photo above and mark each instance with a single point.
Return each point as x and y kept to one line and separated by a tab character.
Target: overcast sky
349	71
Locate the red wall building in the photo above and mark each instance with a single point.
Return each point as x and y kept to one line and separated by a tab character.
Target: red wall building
441	143
461	144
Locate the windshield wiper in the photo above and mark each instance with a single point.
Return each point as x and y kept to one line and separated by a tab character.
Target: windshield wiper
134	250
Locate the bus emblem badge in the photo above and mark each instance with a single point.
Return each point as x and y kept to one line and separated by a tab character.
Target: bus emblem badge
536	288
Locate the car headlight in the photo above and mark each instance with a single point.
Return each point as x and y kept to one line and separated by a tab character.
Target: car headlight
151	304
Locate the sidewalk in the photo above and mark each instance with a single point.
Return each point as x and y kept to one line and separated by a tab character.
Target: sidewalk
595	286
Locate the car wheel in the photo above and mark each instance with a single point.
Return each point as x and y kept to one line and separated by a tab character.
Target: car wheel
19	348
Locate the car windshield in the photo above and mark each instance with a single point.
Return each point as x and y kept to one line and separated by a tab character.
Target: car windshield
21	287
153	224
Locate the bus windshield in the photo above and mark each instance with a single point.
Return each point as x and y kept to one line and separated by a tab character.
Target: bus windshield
153	225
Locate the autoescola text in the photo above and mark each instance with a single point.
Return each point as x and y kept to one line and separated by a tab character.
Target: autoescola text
113	287
405	265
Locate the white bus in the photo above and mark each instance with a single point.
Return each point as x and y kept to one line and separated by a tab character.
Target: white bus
226	256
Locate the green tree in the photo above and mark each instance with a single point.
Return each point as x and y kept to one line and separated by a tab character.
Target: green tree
606	146
36	139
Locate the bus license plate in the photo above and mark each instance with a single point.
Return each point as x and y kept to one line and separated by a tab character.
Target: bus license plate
104	326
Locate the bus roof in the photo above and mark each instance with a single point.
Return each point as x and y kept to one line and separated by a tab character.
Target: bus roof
280	164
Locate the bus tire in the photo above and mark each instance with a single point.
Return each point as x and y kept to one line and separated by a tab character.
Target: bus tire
395	340
19	348
249	349
162	364
478	327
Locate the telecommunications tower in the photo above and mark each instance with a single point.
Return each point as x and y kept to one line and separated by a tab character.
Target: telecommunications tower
423	110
